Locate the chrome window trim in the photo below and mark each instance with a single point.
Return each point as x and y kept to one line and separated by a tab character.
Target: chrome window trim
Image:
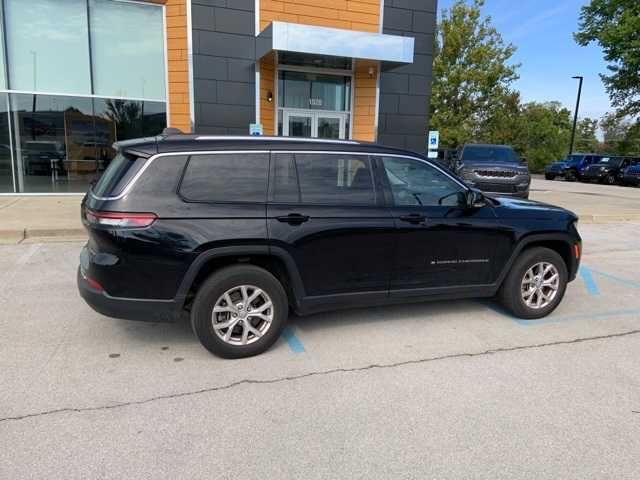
151	159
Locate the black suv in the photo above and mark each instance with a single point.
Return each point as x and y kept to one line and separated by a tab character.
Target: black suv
608	170
237	231
493	169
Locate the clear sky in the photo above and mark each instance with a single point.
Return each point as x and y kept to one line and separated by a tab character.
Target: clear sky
542	31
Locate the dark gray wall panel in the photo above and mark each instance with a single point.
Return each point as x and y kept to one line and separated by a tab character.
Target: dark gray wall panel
223	65
405	90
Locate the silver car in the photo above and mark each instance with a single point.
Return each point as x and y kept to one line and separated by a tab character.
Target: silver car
494	169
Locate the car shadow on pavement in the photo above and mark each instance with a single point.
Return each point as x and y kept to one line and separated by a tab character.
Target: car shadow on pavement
422	311
160	333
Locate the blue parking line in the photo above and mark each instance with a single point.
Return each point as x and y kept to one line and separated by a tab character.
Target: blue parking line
589	282
294	342
624	281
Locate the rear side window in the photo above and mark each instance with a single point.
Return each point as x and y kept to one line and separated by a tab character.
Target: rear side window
226	177
322	179
117	175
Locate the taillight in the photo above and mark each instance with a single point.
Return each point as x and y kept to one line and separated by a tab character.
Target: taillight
120	219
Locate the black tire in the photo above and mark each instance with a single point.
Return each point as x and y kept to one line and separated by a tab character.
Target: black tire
510	294
219	283
611	179
571	176
549	176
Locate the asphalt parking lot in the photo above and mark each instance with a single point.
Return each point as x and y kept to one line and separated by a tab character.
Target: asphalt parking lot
437	390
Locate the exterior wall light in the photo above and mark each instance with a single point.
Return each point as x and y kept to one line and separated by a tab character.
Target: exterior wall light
269	96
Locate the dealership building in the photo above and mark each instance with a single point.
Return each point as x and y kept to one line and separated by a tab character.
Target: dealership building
78	75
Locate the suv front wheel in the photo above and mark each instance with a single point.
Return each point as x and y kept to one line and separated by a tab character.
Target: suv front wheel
536	283
239	311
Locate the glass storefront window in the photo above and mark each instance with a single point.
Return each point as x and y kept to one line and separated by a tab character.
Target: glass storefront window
6	171
63	143
54	142
314	91
127	48
3	73
47	45
315	61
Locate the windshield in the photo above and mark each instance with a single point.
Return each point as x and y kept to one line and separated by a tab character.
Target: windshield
481	153
573	159
614	162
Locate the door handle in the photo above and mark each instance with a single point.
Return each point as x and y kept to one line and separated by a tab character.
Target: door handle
414	218
293	218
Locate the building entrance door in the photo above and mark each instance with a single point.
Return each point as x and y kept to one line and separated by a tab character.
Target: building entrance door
315	124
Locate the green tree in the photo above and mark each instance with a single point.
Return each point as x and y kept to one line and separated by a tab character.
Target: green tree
471	76
548	131
621	135
586	140
615	26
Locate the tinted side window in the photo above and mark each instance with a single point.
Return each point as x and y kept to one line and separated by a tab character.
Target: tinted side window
118	174
417	184
284	179
226	177
335	179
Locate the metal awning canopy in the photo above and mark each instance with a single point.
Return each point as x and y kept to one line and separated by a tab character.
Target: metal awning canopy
294	37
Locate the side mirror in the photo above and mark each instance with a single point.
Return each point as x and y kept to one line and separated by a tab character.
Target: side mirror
475	199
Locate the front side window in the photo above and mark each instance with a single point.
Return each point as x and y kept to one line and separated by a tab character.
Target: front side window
414	183
335	179
226	177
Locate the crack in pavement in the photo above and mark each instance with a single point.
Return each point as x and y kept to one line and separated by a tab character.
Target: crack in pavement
321	373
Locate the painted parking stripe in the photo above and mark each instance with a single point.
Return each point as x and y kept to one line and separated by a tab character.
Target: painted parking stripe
587	277
624	281
292	340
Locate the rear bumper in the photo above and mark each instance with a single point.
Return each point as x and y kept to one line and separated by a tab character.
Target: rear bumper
127	308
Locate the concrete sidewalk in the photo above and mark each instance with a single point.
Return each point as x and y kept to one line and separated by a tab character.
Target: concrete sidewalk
42	218
57	218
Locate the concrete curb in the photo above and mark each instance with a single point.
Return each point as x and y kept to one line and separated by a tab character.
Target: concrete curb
42	234
631	218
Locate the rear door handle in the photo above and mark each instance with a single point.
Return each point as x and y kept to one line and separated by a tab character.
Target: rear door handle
293	218
414	218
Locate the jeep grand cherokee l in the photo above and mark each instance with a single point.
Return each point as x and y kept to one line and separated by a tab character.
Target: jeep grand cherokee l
236	232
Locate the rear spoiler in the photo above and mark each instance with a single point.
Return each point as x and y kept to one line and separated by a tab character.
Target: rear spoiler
141	147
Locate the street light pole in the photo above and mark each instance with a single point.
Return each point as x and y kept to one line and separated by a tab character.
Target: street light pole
575	114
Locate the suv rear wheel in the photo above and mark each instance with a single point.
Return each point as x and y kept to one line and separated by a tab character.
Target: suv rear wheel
536	283
239	311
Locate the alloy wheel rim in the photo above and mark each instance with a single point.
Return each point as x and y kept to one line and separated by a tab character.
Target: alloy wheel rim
242	315
540	285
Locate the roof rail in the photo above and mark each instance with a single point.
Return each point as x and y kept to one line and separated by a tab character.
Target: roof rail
281	139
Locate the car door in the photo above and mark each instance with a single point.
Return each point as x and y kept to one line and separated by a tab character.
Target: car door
327	213
439	241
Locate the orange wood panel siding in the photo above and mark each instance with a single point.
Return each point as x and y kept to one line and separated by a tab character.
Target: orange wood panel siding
178	65
351	15
364	100
267	84
362	15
